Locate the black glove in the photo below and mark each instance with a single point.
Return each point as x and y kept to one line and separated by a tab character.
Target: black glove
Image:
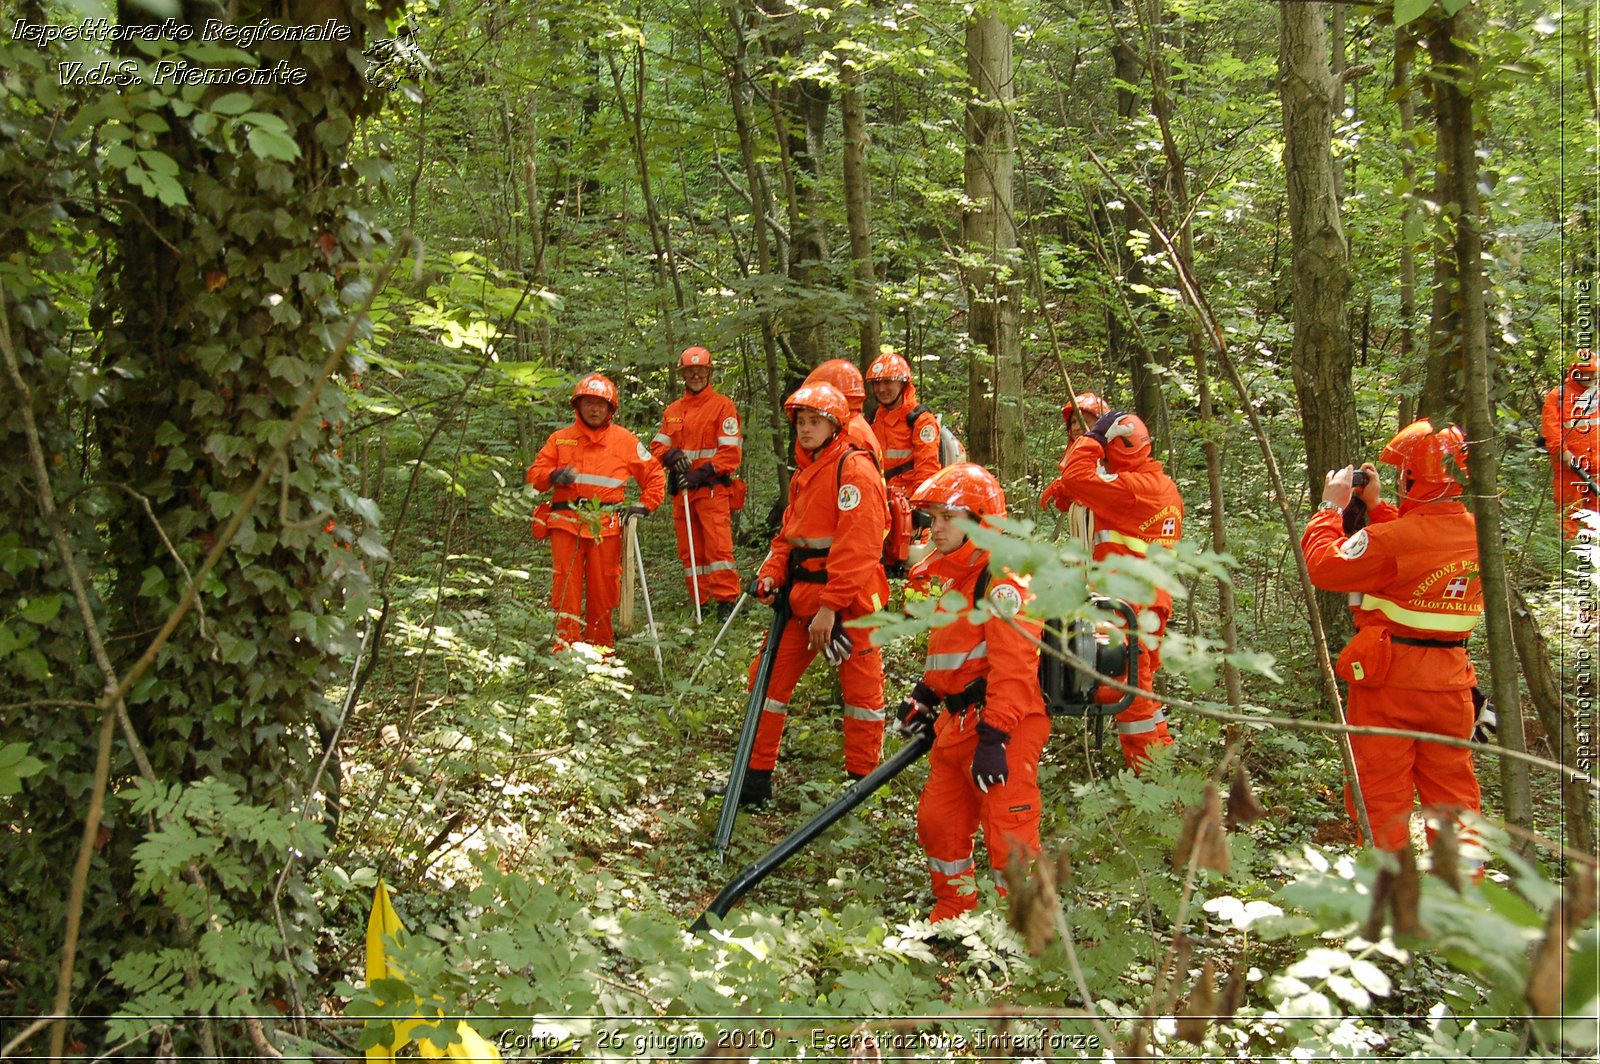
699	476
989	761
675	460
916	718
1101	427
1484	727
1538	441
563	476
837	649
636	511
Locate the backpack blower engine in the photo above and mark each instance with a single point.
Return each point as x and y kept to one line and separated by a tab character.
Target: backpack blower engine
1071	692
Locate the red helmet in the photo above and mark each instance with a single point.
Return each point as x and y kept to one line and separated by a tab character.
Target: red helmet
1584	365
1092	405
889	367
1127	442
1424	454
965	486
843	375
597	385
694	356
819	397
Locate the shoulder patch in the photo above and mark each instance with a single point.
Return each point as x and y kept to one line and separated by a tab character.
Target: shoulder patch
1355	546
644	454
928	433
1005	600
849	497
730	426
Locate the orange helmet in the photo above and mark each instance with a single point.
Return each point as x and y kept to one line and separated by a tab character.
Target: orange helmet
1584	365
597	385
965	486
1127	442
889	367
819	397
694	356
1091	404
1424	455
845	377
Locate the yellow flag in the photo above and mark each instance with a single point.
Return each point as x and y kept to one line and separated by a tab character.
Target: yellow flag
383	921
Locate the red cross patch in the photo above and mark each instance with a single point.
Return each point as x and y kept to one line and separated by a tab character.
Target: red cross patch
1456	588
1169	527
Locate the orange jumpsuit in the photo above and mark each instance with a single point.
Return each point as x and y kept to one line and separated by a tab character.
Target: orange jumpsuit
585	550
952	806
705	426
1132	509
910	452
830	548
1412	575
1571	429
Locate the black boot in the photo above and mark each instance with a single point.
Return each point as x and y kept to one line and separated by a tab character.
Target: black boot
724	611
757	787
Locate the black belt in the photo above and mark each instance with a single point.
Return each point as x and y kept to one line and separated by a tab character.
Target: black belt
1446	644
974	694
899	470
797	571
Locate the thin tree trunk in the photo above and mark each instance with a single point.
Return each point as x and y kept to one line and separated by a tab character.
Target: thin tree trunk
665	269
1556	715
1405	50
1454	66
858	205
995	433
1322	354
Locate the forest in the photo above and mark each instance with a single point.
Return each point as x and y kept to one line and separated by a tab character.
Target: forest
297	758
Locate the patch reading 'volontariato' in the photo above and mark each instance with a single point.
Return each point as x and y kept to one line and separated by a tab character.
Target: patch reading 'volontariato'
849	497
1355	546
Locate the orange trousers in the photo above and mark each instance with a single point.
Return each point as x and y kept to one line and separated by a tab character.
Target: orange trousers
953	808
1392	770
861	679
713	543
1144	723
578	565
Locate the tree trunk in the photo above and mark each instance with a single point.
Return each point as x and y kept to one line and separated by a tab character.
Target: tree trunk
1454	66
995	433
1322	353
1405	49
858	206
1556	716
663	266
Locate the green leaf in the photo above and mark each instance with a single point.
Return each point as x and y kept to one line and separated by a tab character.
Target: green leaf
234	103
1583	974
42	610
16	766
269	145
1410	10
14	557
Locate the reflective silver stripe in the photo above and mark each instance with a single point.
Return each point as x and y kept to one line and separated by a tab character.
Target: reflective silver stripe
729	441
772	705
862	713
895	452
595	480
1354	598
1426	621
811	542
1581	423
955	659
695	456
714	567
662	437
1133	543
950	868
1139	727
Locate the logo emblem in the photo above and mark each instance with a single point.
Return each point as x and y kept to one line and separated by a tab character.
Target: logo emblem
730	426
1354	547
644	455
1169	527
928	433
1005	600
1456	588
849	497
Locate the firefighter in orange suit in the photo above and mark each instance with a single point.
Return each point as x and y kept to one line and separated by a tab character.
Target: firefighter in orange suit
979	698
588	463
1412	575
701	444
843	375
828	553
907	431
1135	506
1571	436
1078	414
